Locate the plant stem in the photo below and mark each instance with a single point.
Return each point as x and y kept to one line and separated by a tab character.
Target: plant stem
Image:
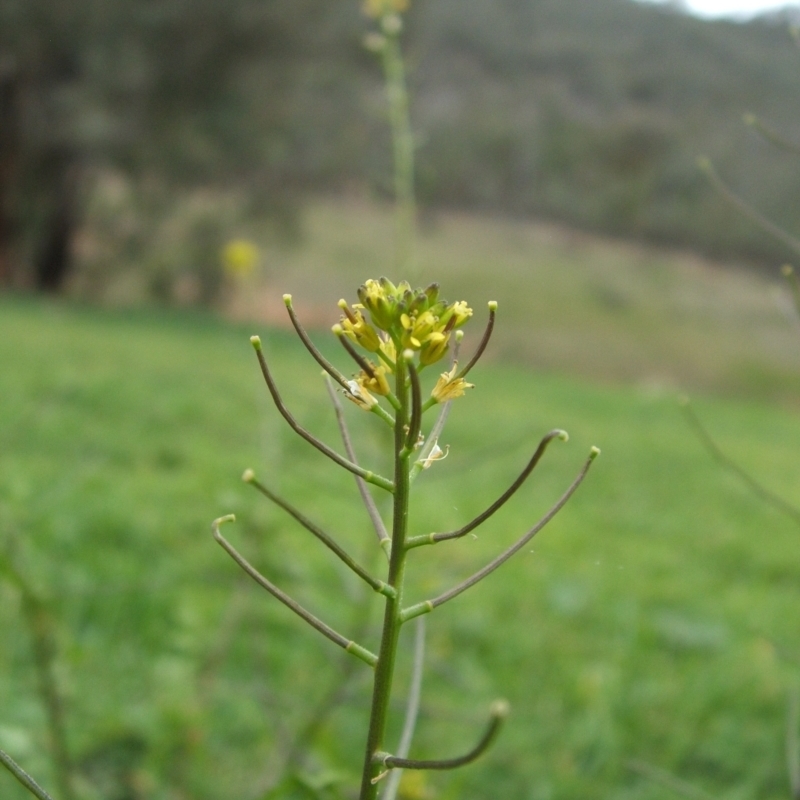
412	709
44	649
403	152
42	629
26	780
384	669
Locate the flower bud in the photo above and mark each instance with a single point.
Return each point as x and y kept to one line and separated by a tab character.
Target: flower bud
434	348
357	329
376	383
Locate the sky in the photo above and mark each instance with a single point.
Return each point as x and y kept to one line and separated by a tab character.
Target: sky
739	8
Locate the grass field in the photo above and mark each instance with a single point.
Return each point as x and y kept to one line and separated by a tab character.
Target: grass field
654	619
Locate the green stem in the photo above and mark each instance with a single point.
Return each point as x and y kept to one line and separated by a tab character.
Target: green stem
43	633
403	151
384	669
44	648
26	780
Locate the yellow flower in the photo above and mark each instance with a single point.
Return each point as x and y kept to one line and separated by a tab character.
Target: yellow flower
357	328
456	315
239	257
414	319
448	387
417	329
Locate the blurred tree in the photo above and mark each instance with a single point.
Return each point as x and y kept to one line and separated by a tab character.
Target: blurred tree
149	87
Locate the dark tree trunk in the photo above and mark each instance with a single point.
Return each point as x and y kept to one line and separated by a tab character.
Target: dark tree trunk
9	158
54	259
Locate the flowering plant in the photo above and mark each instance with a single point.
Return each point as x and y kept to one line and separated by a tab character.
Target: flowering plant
402	331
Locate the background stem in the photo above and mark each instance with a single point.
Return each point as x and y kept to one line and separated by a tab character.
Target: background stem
42	629
403	153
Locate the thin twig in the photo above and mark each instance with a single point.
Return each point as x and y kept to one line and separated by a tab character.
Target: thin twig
438	426
771	135
432	538
26	780
760	491
41	629
326	539
352	352
751	213
412	709
368	476
668	780
403	154
793	741
366	496
499	712
333	698
348	645
227	626
433	438
311	347
794	285
428	605
487	334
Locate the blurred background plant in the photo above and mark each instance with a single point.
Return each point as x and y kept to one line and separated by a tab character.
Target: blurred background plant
751	481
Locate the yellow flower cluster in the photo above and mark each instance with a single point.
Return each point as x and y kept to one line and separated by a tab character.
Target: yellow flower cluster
380	8
402	318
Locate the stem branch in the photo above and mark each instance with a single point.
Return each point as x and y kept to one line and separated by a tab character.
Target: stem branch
432	538
369	501
351	647
321	446
499	713
326	539
422	608
311	347
26	780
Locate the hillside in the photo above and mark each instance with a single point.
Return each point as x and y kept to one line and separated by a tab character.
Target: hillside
588	111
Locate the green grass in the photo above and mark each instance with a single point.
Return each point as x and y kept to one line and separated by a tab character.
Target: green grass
655	618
